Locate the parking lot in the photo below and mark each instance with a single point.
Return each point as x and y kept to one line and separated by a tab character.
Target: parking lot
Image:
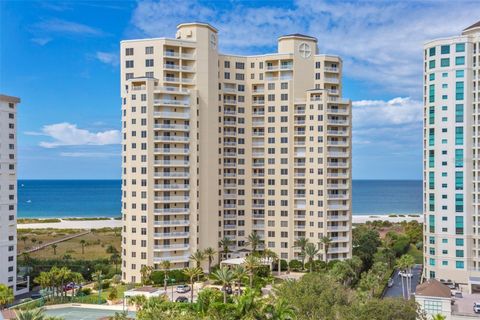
396	289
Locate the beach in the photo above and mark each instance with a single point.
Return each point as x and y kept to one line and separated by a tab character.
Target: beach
113	223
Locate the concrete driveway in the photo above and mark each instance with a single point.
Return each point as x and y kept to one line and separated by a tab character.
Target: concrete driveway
396	289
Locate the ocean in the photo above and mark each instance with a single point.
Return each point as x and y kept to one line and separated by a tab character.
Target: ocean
101	198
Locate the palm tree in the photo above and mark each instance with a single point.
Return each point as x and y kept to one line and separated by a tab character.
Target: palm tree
116	260
6	295
248	306
225	276
24	239
439	317
145	273
83	242
326	241
405	264
210	254
33	240
302	243
311	251
253	241
139	301
191	273
239	273
165	265
281	310
273	258
251	264
225	243
198	257
34	314
98	277
54	247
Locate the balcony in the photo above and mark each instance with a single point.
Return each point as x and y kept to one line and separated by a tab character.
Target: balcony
230	154
230	185
230	226
258	154
337	207
171	235
336	111
230	216
258	216
173	186
258	123
171	150
171	139
338	218
337	175
171	127
331	69
172	211
229	134
230	196
337	132
341	196
229	205
338	228
173	115
337	186
169	223
172	259
172	163
338	154
258	102
172	199
171	102
170	89
337	122
258	133
229	143
258	226
337	143
165	174
230	164
230	101
171	247
337	164
229	123
331	80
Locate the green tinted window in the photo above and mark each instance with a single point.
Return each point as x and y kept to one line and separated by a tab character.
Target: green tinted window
445	49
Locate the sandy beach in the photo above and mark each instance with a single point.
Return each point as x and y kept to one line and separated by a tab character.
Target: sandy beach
112	223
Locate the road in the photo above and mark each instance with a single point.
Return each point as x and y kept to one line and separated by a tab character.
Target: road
396	289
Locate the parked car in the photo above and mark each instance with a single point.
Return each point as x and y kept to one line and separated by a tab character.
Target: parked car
183	288
390	283
458	294
181	299
228	289
36	296
405	274
476	307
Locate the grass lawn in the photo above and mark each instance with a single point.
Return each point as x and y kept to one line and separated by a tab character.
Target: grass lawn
95	246
415	253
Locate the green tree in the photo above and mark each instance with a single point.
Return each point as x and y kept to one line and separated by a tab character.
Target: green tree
326	242
54	247
6	295
405	264
343	272
311	252
210	254
225	243
191	273
253	241
239	274
302	243
145	274
82	243
165	265
198	256
365	243
280	310
113	294
249	305
251	264
225	277
33	314
115	259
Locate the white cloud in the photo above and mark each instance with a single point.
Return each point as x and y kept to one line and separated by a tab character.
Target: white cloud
89	154
107	57
67	134
376	113
380	41
41	41
66	27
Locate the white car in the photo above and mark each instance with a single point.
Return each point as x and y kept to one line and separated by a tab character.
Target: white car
476	307
405	274
183	288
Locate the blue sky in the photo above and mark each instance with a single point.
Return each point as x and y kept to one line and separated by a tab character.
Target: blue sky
61	58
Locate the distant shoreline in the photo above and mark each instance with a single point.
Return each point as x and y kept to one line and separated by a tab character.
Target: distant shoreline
108	222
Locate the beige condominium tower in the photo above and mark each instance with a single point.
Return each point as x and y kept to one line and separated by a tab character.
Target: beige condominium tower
221	146
451	159
8	191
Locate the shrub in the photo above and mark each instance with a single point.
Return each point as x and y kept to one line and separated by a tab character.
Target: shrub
105	285
283	263
178	275
113	294
84	292
295	265
263	271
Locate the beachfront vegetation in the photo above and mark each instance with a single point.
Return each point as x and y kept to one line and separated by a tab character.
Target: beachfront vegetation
90	246
6	295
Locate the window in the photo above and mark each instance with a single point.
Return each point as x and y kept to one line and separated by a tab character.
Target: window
459	90
129	51
226	64
445	49
148	50
431	92
459	264
459	73
317	65
431	52
431	64
459	136
445	62
459	113
129	64
459	242
431	137
459	208
460	47
239	65
149	63
459	180
431	112
459	61
458	158
432	76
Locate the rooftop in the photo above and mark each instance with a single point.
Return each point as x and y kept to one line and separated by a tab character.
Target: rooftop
473	26
298	35
433	288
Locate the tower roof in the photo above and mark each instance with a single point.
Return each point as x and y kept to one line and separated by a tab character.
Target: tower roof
298	35
473	26
433	288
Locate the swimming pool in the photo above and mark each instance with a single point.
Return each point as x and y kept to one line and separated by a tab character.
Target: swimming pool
79	313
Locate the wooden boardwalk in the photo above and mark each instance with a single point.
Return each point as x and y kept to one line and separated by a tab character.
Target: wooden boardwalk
44	245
